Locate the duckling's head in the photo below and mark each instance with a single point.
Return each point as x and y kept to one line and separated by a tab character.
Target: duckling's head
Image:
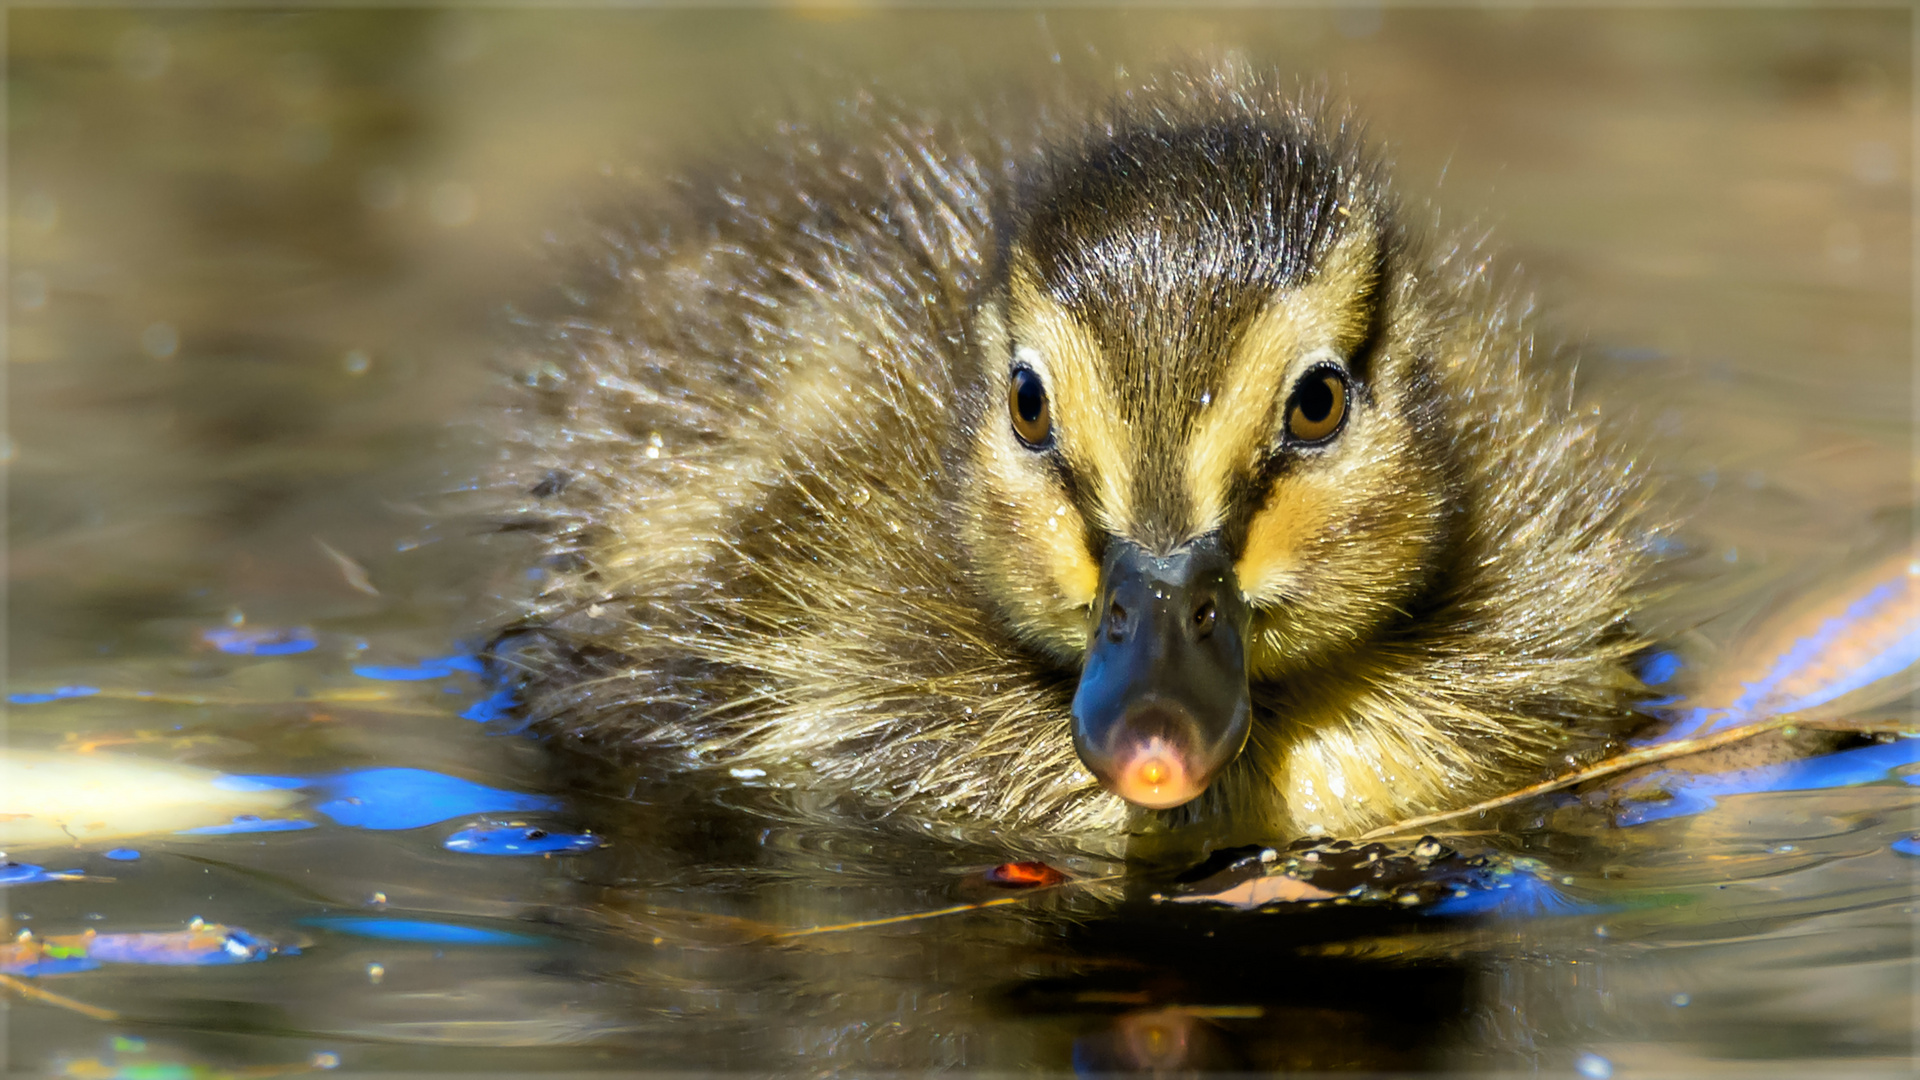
1203	451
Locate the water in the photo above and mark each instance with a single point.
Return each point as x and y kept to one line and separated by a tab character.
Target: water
259	264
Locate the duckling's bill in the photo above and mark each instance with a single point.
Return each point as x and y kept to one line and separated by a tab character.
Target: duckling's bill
1163	702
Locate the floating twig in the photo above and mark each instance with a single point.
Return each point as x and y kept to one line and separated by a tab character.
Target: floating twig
60	1001
353	572
999	901
1618	763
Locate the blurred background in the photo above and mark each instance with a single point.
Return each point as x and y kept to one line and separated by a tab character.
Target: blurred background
260	269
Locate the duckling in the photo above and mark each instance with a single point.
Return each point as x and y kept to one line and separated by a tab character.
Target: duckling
1143	469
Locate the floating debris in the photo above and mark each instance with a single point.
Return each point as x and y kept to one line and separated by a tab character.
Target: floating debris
1022	896
1024	875
244	642
518	839
63	693
59	1001
1261	891
351	571
1426	875
199	945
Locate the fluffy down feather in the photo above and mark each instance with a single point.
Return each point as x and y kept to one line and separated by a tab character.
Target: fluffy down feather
744	449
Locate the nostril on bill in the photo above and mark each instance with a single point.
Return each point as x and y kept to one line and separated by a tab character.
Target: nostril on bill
1116	622
1203	619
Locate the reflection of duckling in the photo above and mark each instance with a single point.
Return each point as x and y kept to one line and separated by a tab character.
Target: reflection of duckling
915	463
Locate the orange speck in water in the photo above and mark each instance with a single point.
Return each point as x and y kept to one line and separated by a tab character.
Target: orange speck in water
1025	875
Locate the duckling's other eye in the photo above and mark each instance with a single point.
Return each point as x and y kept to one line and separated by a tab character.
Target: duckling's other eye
1027	401
1318	406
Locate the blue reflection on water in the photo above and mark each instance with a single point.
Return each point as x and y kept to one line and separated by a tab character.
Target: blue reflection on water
1810	660
248	823
65	965
494	706
437	668
396	798
14	873
60	694
1696	793
411	798
1660	668
286	642
260	783
434	933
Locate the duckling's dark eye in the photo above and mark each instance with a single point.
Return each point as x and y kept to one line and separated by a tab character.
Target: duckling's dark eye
1318	406
1027	401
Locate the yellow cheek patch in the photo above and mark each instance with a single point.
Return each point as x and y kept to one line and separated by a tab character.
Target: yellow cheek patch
1296	511
1043	531
1064	540
1035	539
